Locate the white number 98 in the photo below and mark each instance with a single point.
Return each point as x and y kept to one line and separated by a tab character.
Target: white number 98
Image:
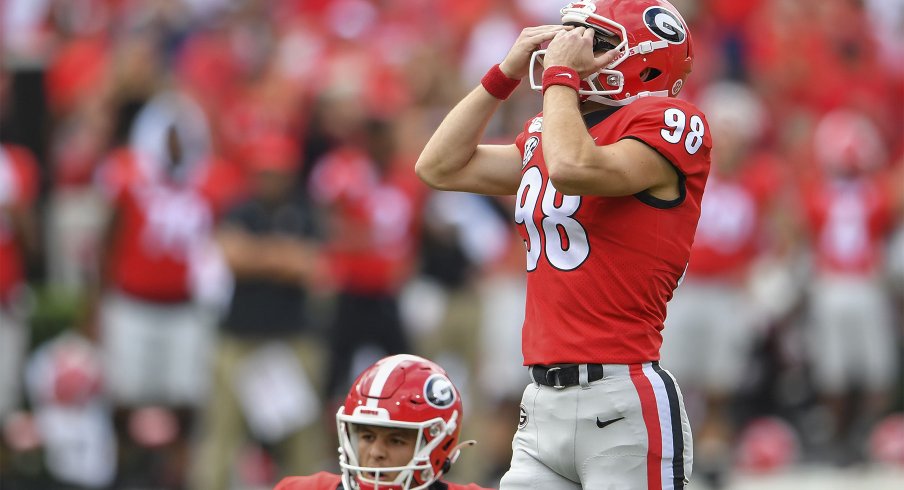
676	120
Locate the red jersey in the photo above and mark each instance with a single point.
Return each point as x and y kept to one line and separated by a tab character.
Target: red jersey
374	220
849	222
18	188
731	231
601	269
329	481
160	224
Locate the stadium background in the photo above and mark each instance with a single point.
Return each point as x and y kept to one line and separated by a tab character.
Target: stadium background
307	80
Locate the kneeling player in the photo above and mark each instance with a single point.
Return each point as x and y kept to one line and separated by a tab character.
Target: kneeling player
398	430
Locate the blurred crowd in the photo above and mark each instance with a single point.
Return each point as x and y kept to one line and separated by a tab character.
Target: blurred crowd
210	223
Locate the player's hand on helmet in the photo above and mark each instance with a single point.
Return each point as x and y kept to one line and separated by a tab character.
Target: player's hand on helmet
574	49
517	62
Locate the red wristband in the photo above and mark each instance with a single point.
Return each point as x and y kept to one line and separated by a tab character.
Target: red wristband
561	75
498	84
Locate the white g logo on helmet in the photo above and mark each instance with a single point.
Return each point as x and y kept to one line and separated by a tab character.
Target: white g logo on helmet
439	392
665	25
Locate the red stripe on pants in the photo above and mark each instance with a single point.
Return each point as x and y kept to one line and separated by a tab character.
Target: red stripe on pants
651	420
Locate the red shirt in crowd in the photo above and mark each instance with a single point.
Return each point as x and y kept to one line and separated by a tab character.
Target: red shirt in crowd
373	222
731	232
159	223
849	222
18	188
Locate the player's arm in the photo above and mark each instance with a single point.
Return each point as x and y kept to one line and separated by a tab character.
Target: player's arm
454	159
577	166
284	259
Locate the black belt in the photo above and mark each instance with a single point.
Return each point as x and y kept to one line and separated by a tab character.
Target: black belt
564	375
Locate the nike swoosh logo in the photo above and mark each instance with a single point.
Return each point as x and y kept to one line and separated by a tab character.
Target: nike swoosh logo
564	75
602	424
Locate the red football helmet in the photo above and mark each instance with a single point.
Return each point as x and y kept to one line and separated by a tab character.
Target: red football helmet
846	141
407	392
656	52
766	445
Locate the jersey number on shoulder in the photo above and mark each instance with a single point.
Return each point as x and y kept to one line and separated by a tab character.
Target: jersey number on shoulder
676	121
564	239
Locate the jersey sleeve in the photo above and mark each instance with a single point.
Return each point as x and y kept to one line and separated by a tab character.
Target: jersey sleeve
286	484
319	481
534	123
470	486
519	141
675	129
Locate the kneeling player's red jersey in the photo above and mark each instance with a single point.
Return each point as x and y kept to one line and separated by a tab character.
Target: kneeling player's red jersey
329	481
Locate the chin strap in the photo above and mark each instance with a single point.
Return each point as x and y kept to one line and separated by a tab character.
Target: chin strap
647	47
627	100
456	451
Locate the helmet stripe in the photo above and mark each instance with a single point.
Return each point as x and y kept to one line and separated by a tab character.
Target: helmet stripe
387	366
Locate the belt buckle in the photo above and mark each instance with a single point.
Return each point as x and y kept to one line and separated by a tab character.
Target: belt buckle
555	384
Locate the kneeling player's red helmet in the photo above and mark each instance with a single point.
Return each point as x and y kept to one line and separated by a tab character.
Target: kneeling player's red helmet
406	392
651	35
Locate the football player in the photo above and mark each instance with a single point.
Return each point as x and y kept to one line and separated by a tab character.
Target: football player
608	182
19	184
398	430
852	207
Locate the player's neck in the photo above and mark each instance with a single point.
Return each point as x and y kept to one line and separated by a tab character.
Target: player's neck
589	106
